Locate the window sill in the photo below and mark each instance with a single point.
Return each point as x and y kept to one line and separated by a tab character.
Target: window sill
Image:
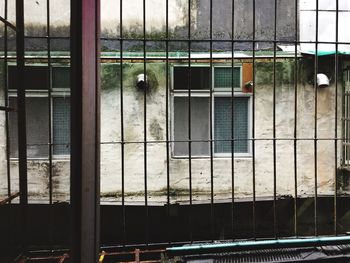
236	157
54	158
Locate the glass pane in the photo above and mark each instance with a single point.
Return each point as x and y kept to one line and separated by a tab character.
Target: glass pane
200	78
35	77
223	124
37	127
60	78
223	77
61	125
199	126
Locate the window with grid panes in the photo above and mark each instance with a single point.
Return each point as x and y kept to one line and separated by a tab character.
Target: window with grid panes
37	107
230	115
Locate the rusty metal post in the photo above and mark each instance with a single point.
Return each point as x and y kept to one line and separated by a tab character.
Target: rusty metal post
137	255
21	117
85	134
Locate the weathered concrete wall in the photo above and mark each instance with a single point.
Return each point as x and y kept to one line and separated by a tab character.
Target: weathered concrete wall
3	162
155	99
179	170
36	22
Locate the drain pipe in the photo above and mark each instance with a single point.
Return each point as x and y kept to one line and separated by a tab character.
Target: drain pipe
260	244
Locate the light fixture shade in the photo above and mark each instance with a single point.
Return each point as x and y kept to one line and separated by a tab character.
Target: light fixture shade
322	80
141	81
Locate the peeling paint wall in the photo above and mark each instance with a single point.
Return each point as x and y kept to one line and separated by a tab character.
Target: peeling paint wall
133	112
156	107
3	162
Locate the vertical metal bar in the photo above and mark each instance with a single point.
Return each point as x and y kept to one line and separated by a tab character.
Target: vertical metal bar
145	122
49	97
7	130
253	126
296	121
232	124
48	32
21	117
315	122
189	121
212	219
167	116
85	134
274	124
344	131
336	120
122	123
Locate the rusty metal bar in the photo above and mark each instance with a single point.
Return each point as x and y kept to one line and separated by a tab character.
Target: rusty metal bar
137	255
9	199
63	258
233	125
253	126
7	109
7	23
167	132
145	163
275	224
336	62
49	85
295	152
122	123
190	215
211	123
21	118
85	130
315	125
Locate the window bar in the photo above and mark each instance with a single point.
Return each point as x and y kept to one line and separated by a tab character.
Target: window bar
275	230
232	125
189	122
208	40
296	121
48	32
49	97
315	123
346	123
167	116
6	106
253	127
145	122
343	136
122	146
21	119
7	131
85	131
212	220
335	218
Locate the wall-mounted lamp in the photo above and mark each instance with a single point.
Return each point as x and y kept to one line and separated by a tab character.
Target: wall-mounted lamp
248	86
141	81
322	80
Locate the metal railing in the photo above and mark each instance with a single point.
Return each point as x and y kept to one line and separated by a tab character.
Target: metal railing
83	203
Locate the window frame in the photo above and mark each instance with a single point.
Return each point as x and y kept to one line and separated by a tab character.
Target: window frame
216	92
55	92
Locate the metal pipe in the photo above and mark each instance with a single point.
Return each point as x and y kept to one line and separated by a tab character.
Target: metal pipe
261	244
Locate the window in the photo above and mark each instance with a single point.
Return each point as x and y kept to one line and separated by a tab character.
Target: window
346	118
224	125
37	107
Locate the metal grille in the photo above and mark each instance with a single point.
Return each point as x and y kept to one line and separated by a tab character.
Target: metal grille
228	119
224	78
223	124
61	125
